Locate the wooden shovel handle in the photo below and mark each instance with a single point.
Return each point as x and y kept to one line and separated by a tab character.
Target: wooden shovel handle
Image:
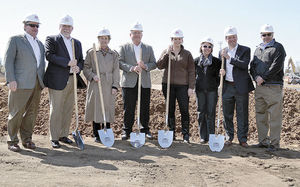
75	87
139	93
220	96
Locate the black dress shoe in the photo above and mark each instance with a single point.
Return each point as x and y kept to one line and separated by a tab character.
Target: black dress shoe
125	136
55	144
149	136
272	148
97	139
65	140
260	145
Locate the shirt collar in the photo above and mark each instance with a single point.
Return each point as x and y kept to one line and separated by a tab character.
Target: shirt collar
138	46
29	37
263	45
65	37
234	49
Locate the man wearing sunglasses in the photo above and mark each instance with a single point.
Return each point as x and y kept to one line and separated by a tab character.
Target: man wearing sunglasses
24	70
60	81
267	70
237	86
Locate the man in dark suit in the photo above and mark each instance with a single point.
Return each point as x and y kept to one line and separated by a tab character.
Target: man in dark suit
59	79
24	70
237	86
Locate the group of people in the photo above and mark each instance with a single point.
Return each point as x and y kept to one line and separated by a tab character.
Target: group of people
26	76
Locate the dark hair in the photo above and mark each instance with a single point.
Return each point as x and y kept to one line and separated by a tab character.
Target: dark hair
107	36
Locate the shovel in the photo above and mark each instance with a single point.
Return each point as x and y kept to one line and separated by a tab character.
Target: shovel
76	134
137	139
165	137
216	141
106	135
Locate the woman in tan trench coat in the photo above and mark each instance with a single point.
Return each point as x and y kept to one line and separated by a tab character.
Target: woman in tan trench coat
108	64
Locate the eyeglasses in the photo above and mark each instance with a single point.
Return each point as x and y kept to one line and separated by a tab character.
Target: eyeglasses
264	35
33	25
205	46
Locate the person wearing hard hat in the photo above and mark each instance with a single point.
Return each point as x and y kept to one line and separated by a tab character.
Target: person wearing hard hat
131	63
237	86
182	80
24	62
266	69
207	83
108	64
59	79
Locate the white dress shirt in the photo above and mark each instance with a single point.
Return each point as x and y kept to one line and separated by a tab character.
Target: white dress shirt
137	51
229	67
68	43
36	48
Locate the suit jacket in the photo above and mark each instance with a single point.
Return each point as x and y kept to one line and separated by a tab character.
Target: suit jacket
240	73
127	60
21	63
58	71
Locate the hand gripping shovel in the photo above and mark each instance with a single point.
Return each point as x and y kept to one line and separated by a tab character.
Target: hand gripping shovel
76	134
137	139
216	141
106	135
165	137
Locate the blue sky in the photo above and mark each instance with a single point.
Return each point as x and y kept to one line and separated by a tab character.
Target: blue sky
197	19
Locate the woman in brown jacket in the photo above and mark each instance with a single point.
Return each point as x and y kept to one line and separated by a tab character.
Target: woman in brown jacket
182	80
108	64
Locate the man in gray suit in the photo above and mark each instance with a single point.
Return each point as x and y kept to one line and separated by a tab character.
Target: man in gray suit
24	71
131	65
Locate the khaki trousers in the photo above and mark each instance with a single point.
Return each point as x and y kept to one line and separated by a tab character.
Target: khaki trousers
268	106
61	108
23	107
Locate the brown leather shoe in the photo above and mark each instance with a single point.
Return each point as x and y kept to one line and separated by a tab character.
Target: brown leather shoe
29	145
228	143
244	144
14	148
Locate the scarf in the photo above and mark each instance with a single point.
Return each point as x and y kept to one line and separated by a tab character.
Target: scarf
204	62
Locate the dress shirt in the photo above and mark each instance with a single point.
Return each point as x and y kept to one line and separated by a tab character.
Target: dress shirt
68	43
229	67
35	46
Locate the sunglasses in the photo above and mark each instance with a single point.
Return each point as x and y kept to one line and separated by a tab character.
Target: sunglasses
33	25
205	46
264	35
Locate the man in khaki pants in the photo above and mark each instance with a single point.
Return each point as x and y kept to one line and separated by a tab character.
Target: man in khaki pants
59	79
24	70
267	71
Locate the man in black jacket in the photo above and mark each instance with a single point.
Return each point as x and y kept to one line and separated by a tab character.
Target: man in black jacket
59	79
237	86
267	71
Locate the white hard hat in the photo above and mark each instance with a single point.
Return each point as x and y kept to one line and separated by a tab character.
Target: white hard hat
136	27
266	28
230	31
208	40
104	32
32	18
176	33
66	20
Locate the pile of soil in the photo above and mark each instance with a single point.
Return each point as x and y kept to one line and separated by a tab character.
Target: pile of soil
290	130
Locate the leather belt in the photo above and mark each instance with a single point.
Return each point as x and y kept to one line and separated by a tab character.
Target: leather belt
229	82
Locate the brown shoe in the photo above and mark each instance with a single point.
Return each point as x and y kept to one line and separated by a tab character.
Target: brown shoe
14	148
29	145
244	144
228	143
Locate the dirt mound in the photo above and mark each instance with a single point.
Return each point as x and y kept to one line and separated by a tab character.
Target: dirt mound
290	130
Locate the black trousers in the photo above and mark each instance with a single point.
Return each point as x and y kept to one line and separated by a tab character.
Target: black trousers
179	93
206	108
130	96
232	99
97	126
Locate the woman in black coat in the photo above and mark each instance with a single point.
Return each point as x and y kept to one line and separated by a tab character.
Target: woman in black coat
207	82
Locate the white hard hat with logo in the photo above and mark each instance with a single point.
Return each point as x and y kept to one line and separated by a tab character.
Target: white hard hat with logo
266	28
176	33
136	27
208	40
66	20
32	18
104	32
229	31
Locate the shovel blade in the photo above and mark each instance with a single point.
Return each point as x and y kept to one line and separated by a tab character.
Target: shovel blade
78	139
137	140
107	137
165	138
216	142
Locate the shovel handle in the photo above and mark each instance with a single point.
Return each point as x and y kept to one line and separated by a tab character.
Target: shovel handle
139	93
75	87
220	96
168	90
99	84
